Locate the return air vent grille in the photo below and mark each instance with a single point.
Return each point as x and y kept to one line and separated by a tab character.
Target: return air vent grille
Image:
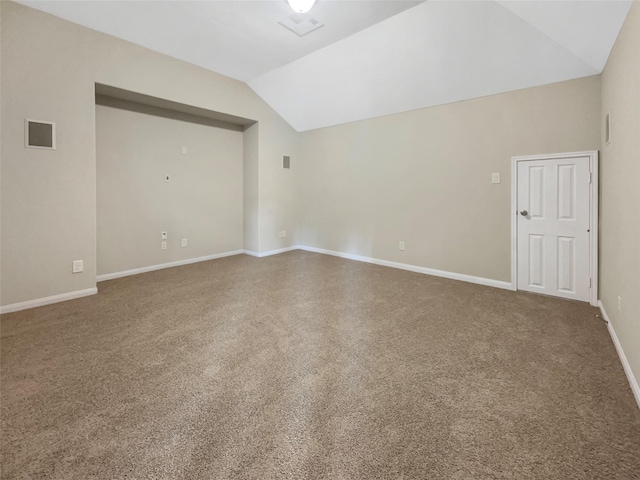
300	24
39	134
286	161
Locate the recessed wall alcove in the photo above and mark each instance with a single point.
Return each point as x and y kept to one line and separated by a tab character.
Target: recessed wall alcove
170	182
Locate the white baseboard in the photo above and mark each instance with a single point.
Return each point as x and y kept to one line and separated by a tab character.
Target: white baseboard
402	266
39	302
414	268
270	252
633	383
136	271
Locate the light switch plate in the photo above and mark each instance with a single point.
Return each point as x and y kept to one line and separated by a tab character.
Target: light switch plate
495	178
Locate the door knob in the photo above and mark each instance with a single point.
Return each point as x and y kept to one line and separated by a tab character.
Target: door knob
524	213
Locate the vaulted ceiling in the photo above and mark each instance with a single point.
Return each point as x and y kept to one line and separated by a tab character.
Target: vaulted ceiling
371	57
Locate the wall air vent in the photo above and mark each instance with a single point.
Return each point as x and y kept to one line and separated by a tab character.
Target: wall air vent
39	134
300	23
286	161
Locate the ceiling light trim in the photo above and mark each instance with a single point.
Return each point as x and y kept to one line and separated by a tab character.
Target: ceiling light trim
301	6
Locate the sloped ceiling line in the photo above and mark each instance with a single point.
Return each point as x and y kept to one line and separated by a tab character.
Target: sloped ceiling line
588	29
438	52
588	66
373	57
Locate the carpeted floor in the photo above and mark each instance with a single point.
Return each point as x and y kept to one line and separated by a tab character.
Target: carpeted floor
306	366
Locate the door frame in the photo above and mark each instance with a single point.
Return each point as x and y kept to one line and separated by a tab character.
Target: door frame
593	215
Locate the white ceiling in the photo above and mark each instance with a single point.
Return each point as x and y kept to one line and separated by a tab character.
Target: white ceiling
443	51
238	38
372	57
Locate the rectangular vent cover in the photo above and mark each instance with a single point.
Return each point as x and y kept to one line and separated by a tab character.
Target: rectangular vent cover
286	161
39	134
300	23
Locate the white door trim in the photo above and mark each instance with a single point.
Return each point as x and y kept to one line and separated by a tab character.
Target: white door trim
593	215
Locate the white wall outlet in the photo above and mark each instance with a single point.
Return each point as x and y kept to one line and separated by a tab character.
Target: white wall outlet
164	245
184	150
184	242
167	178
495	178
401	246
164	235
619	305
77	266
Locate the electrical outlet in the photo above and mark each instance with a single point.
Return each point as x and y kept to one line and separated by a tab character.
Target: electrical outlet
619	305
164	235
184	242
401	246
164	245
184	150
284	233
77	266
495	178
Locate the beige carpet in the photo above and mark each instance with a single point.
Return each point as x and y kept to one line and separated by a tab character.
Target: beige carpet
306	366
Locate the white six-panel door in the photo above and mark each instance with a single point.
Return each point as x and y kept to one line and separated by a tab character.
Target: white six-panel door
553	227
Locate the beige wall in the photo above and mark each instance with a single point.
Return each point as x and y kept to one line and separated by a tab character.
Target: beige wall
620	190
49	68
251	219
202	201
277	187
424	177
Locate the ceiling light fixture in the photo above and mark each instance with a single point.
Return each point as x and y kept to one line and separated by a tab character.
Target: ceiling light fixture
301	6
